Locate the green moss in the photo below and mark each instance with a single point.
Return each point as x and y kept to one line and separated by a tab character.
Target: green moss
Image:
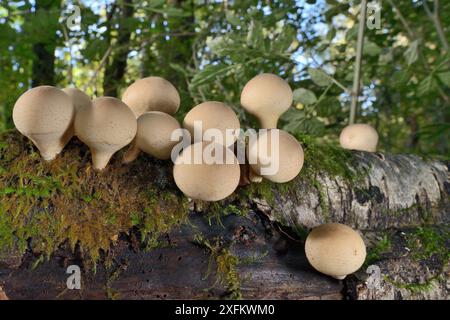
323	157
48	203
427	242
415	287
226	266
376	252
252	259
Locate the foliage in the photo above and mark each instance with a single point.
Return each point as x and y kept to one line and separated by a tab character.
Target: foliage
210	50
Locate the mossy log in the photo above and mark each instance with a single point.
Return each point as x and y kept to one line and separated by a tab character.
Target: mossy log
144	239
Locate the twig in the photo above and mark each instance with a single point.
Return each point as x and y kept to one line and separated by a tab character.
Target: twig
359	49
434	17
102	63
69	68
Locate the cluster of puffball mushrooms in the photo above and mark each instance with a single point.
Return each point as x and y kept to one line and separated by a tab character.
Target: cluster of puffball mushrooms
50	117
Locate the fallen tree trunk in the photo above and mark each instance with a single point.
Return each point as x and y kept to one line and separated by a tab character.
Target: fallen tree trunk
249	245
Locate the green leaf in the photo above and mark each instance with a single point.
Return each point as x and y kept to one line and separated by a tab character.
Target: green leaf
209	74
412	53
304	96
427	85
371	48
179	68
328	107
232	18
444	77
255	36
319	77
352	33
297	122
284	40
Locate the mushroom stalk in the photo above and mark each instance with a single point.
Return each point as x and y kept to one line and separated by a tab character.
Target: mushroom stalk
100	159
132	153
268	123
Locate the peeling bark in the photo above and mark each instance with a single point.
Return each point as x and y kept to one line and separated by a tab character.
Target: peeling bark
395	191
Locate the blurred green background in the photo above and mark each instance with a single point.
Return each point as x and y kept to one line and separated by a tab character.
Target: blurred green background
210	49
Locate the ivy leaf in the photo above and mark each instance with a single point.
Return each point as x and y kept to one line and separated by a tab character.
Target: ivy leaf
304	96
319	77
412	53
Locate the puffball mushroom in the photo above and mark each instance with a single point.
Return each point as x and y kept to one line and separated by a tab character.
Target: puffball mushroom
361	137
154	130
335	250
206	181
151	94
285	155
79	98
213	115
106	126
45	115
267	97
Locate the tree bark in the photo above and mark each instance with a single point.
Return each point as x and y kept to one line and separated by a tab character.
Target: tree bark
43	69
395	191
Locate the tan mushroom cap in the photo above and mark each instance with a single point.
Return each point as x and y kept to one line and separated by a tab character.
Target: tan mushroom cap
79	99
203	181
267	97
106	127
361	137
154	131
213	115
262	153
45	115
335	250
151	94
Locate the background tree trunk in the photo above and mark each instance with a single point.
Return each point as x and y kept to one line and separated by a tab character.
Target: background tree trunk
115	69
43	69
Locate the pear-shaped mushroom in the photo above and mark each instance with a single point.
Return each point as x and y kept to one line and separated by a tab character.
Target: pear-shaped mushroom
154	131
79	99
213	115
267	97
152	94
275	155
199	178
359	136
106	126
335	250
45	115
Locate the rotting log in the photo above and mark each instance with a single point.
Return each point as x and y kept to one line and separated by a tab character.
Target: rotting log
250	245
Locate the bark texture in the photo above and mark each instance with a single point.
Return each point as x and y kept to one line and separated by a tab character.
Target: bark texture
395	191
